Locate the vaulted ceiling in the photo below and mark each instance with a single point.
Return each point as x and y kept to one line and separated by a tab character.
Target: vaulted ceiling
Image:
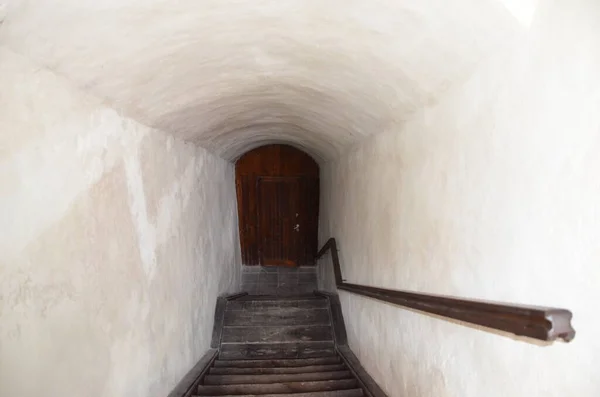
234	74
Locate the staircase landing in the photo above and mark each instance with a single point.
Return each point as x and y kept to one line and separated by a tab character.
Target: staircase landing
278	280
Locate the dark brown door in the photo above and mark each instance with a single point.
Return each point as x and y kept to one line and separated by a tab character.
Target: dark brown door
278	206
278	221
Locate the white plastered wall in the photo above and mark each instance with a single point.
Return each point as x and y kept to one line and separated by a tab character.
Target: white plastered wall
116	240
493	193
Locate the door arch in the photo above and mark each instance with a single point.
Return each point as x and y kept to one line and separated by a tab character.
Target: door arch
278	206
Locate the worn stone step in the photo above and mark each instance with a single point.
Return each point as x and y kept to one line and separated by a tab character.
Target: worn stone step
276	370
303	362
277	334
247	298
278	388
334	393
243	351
261	305
248	351
275	378
282	316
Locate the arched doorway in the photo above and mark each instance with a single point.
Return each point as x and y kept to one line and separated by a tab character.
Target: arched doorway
278	206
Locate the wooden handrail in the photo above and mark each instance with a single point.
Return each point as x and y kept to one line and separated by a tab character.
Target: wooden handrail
543	323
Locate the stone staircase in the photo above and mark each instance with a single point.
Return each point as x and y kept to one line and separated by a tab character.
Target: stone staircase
279	346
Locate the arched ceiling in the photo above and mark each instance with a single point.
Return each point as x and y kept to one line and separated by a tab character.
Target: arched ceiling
231	75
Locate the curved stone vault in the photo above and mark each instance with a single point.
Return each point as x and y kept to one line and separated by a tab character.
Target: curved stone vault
233	75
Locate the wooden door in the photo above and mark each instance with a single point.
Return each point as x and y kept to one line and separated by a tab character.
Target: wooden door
278	206
278	223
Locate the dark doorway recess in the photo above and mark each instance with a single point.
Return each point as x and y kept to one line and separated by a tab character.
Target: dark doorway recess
278	206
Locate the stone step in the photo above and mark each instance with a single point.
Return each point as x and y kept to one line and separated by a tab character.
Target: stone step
277	304
276	370
247	298
281	316
249	351
334	393
277	388
277	334
277	363
276	378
